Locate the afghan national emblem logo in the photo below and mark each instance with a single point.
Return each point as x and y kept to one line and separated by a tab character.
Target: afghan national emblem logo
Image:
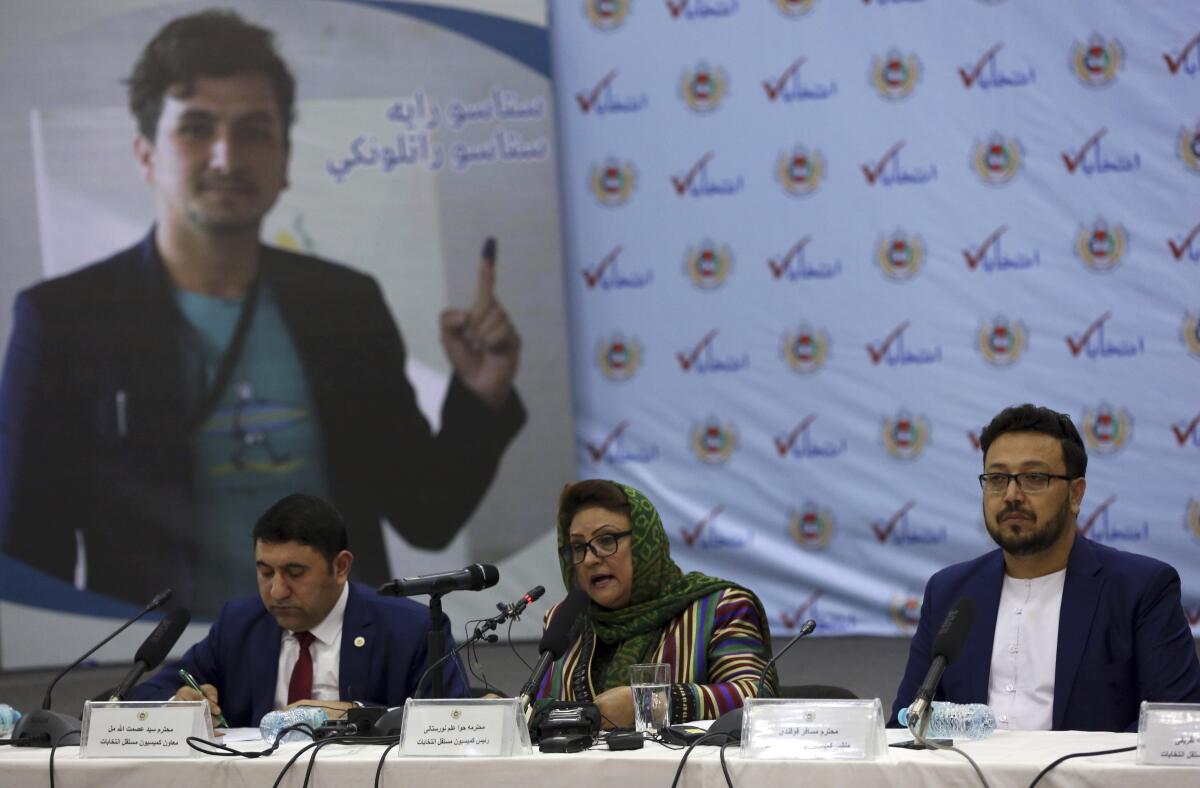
905	435
708	264
612	182
1097	61
800	172
895	75
619	357
1107	429
906	612
714	442
900	255
811	526
997	159
606	14
1001	341
805	348
1191	333
794	8
1188	147
704	87
1193	518
1101	246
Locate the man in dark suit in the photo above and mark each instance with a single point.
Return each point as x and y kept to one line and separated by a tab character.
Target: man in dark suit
1068	634
311	637
166	395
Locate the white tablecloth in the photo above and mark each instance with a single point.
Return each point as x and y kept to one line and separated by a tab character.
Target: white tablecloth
1008	760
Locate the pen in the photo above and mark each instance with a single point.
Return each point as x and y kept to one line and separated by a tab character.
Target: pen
191	682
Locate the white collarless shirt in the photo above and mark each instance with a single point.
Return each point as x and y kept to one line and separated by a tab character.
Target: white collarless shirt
326	651
1025	651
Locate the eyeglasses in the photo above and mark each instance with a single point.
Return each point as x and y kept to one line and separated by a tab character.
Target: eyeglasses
997	483
601	545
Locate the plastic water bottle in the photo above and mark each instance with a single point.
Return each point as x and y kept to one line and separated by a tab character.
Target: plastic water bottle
8	720
957	721
275	721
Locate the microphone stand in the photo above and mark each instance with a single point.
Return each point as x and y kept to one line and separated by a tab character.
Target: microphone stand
479	634
435	645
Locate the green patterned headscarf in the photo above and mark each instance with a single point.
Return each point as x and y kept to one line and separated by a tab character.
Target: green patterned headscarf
660	590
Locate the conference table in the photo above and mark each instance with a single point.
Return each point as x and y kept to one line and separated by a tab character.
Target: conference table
1007	760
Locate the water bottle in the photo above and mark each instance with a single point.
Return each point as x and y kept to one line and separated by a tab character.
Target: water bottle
957	721
275	721
8	720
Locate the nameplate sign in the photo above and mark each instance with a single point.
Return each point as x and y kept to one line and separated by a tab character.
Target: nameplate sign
475	727
1169	734
143	729
839	730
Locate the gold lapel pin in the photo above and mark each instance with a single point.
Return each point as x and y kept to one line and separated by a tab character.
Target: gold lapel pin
360	641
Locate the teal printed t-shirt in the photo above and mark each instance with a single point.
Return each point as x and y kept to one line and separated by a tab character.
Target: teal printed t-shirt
260	442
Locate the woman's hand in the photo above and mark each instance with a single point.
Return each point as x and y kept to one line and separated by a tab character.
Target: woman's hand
616	706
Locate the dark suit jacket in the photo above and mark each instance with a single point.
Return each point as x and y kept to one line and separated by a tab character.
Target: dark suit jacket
1122	638
112	331
240	656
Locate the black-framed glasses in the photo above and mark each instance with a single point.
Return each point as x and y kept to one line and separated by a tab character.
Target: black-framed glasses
601	545
1032	482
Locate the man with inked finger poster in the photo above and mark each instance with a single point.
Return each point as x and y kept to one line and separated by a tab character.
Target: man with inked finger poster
153	403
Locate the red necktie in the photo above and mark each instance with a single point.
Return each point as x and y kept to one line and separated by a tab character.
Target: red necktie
300	686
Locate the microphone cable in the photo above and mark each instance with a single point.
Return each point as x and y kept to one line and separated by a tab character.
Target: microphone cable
914	728
1043	772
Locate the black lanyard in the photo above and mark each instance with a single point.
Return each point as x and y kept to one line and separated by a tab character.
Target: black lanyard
212	395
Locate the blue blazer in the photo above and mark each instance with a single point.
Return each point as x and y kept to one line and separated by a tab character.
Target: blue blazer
240	656
1122	638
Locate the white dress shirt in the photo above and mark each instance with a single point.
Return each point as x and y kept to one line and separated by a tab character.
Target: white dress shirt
1025	651
326	651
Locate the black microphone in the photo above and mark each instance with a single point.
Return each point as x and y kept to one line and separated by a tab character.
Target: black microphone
475	577
515	610
946	647
154	649
44	728
557	637
730	723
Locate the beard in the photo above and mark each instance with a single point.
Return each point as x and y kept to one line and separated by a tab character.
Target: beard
1038	537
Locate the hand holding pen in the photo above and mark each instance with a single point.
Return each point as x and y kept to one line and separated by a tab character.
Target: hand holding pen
195	691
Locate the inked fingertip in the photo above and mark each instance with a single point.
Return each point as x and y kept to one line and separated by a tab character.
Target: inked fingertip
489	249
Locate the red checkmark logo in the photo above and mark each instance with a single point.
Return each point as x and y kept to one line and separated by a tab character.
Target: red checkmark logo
884	532
792	619
877	353
1177	251
969	77
681	184
784	444
592	276
778	269
1076	346
776	87
1182	435
690	535
687	359
872	173
973	258
676	9
597	452
1072	162
1173	64
974	439
1091	520
586	102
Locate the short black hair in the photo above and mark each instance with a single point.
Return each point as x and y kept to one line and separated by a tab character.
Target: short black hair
1035	418
306	519
213	43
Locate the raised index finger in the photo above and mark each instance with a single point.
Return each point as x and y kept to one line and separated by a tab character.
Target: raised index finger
485	290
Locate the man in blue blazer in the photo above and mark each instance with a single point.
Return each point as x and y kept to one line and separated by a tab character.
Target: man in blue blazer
312	637
1069	634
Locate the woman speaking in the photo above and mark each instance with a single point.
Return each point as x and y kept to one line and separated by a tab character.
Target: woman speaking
644	609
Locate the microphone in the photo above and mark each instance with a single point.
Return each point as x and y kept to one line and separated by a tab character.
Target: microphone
557	637
730	723
946	647
475	577
515	610
154	649
45	728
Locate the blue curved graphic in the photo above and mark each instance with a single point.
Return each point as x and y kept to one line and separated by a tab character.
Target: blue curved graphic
24	585
525	43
